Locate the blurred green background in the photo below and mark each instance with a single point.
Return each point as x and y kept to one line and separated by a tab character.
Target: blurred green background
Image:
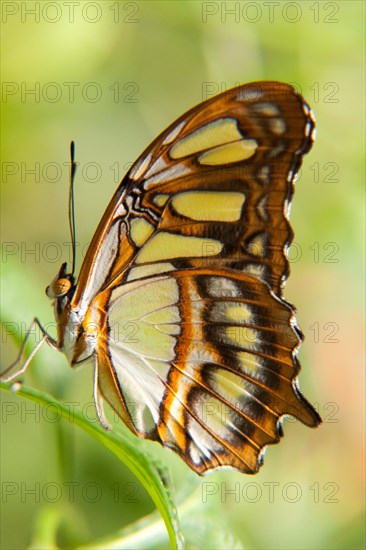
111	76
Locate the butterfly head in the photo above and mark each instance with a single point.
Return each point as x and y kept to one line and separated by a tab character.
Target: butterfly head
61	291
61	285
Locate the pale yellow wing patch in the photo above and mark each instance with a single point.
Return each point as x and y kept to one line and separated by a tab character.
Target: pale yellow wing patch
218	132
144	318
161	200
165	246
140	230
209	205
228	153
148	270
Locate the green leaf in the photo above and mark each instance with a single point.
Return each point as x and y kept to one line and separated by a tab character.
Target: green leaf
152	475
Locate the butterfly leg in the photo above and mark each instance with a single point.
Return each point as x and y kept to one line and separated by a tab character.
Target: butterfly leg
19	365
98	400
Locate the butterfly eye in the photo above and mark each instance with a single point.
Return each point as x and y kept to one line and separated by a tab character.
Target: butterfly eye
58	288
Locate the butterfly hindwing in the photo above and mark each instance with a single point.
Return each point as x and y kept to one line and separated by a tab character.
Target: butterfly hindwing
203	361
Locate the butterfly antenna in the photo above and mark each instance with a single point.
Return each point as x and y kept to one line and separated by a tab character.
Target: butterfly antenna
72	204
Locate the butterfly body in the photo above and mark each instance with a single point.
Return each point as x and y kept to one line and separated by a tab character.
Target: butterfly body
179	299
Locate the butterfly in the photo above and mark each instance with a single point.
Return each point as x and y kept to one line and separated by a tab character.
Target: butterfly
179	302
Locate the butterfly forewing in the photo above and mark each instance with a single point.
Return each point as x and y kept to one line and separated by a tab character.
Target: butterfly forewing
246	143
195	346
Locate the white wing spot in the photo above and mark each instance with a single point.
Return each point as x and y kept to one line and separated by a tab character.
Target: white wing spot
176	171
249	95
268	109
174	133
277	126
263	174
139	169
